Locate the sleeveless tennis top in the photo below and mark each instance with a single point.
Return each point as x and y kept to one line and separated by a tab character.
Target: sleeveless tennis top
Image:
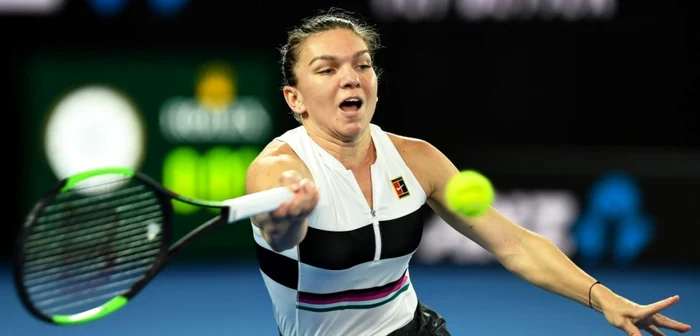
349	276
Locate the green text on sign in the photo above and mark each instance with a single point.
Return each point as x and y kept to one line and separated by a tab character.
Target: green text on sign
217	174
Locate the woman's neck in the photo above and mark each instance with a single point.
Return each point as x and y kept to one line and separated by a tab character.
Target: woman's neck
352	153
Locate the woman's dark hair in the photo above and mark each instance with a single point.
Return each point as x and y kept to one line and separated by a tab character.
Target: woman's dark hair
333	18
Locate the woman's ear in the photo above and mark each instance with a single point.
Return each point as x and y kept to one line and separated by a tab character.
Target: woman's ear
294	99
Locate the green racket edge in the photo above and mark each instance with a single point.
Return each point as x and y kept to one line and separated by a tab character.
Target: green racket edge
77	178
93	314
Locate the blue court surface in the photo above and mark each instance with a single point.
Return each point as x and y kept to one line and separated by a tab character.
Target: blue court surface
230	299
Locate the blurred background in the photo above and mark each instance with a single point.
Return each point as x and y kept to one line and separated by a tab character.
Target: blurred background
583	112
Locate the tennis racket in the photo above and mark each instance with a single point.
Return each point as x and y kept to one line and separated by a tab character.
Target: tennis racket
96	239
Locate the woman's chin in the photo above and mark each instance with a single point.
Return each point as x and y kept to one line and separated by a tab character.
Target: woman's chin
352	130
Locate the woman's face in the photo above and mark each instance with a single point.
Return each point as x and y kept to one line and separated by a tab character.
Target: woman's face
337	86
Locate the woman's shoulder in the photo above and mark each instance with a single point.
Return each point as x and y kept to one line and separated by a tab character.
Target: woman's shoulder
410	147
428	164
275	158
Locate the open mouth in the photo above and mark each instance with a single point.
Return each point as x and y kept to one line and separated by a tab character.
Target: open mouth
351	104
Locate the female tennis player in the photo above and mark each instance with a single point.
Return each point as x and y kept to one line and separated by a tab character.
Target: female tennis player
335	259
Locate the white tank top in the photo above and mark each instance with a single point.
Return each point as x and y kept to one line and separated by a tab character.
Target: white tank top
349	276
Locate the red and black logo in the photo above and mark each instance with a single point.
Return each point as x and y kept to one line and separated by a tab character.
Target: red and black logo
400	187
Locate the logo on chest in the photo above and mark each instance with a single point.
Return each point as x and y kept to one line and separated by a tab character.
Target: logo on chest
400	187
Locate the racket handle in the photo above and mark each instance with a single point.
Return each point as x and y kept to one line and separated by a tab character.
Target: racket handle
254	204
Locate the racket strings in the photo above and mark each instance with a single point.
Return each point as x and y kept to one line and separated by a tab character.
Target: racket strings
79	212
89	270
129	236
107	220
74	286
70	283
66	277
95	228
88	247
84	264
86	292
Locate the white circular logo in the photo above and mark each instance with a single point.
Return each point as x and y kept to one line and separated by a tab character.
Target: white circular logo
93	127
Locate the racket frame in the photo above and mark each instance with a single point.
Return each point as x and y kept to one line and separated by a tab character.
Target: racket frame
166	252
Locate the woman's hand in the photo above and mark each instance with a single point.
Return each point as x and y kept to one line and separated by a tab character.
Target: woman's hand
632	317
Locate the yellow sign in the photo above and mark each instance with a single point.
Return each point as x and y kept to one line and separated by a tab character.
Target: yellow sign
216	88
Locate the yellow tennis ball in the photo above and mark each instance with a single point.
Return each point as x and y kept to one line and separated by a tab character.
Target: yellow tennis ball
469	193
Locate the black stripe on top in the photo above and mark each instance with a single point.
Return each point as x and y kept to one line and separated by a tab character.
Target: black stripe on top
401	236
339	250
280	268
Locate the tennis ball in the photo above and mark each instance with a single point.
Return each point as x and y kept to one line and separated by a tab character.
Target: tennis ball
469	193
